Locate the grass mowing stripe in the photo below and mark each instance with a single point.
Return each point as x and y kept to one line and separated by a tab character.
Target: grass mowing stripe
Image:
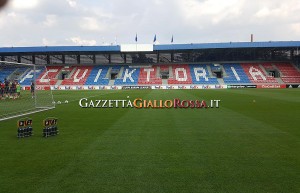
277	94
264	108
16	149
167	150
261	133
231	149
85	94
82	158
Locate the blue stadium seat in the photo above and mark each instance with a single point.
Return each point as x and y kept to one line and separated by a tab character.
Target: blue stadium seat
202	80
101	80
231	79
5	72
135	77
26	79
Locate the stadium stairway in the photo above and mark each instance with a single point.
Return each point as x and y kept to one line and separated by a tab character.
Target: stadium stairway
289	74
275	67
78	75
157	72
224	71
121	73
179	74
263	69
235	74
221	81
257	75
279	80
4	73
72	72
18	72
58	83
171	72
108	73
298	69
209	71
111	83
52	73
164	82
26	71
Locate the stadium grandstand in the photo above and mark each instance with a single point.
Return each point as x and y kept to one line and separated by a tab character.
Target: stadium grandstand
233	63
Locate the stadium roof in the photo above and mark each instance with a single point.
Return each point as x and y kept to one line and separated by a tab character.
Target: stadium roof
229	45
117	48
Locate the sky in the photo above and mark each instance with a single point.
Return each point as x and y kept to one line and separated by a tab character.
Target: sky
106	22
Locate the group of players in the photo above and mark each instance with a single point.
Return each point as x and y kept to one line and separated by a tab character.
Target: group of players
10	89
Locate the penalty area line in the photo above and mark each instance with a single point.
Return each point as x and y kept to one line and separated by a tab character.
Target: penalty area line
25	114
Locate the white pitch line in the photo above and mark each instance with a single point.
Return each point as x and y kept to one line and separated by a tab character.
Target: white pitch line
24	114
97	95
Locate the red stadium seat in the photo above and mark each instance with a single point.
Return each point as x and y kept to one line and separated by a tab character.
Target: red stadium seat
181	75
79	75
153	79
257	75
289	74
53	72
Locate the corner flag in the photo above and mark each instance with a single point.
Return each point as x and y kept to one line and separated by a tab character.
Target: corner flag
136	38
154	40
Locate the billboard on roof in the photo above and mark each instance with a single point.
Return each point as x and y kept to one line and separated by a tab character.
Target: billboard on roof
137	48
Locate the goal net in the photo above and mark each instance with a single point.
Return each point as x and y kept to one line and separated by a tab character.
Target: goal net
24	89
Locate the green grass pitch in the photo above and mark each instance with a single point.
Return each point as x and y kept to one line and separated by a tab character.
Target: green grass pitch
242	147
